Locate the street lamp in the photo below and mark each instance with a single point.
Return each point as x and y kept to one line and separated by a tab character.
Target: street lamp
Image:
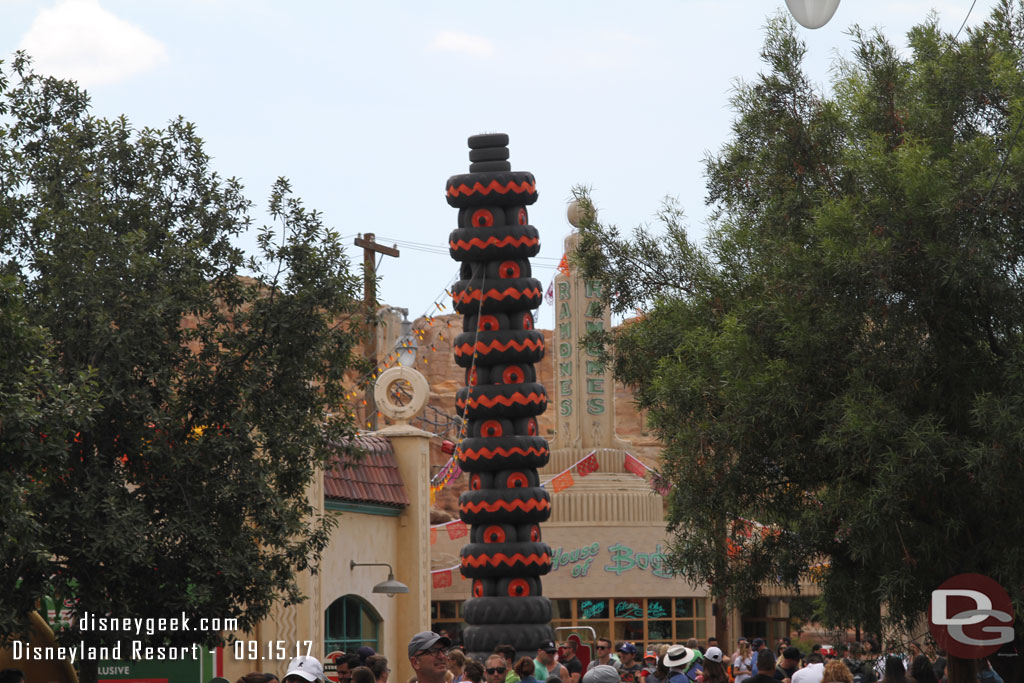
405	345
812	13
390	586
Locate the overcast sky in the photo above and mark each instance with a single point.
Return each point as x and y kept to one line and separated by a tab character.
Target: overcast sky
366	106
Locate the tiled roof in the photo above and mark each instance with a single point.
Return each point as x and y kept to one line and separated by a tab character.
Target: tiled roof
372	478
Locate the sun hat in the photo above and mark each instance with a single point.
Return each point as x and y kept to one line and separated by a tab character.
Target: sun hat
678	655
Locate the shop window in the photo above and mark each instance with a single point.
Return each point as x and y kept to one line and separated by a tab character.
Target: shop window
446	615
350	623
591	609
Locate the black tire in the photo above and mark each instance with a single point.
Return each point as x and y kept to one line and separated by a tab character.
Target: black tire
528	533
499	348
488	154
516	294
504	188
501	401
488	322
479	481
486	244
478	374
526	426
507	269
503	453
531	610
517	215
490	429
514	479
485	560
477	217
513	373
493	533
487	140
523	637
490	167
517	586
480	588
509	506
521	320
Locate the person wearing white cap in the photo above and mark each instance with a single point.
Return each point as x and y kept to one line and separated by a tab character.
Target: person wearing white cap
714	670
304	669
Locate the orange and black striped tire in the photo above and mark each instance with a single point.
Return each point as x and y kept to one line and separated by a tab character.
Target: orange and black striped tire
529	610
486	560
489	189
489	244
499	348
516	294
510	506
523	637
507	401
503	453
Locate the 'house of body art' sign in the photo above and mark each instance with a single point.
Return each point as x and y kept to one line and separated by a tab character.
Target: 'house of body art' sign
619	560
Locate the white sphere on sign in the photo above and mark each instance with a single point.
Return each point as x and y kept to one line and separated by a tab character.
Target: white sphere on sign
812	13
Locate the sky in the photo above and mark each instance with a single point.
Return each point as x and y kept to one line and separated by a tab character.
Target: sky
366	106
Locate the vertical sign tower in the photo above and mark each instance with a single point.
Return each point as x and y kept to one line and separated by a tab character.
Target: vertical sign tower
502	449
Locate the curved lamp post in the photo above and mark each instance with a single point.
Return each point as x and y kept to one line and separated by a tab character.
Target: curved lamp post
812	13
390	586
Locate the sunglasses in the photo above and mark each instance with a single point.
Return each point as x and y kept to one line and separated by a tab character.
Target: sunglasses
496	670
602	647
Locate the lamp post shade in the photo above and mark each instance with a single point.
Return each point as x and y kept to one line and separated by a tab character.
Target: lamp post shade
812	13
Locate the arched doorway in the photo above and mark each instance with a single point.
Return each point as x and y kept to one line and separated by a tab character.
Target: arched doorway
349	623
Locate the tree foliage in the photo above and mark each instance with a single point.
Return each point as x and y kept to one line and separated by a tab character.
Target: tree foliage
181	485
842	360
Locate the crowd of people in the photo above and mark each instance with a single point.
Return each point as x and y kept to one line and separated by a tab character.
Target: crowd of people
362	666
435	661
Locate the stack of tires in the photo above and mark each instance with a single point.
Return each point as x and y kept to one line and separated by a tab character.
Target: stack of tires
502	449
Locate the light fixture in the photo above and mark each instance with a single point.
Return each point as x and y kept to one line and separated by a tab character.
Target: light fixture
405	345
390	586
812	13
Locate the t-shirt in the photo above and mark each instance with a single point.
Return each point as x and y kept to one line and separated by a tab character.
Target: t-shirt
745	664
761	678
811	673
573	666
631	673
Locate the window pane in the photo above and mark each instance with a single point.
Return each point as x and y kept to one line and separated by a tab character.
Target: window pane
592	609
684	608
335	619
659	630
447	609
659	608
561	609
701	604
351	619
701	629
684	629
368	634
629	608
629	630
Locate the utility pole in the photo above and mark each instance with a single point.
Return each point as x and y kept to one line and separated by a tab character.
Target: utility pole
370	247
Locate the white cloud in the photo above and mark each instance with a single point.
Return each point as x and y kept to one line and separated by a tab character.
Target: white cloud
79	39
453	41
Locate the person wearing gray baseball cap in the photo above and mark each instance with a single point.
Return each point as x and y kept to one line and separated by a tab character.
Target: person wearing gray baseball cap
428	654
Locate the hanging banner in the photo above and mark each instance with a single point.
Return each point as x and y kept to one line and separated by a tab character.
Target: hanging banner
562	482
587	465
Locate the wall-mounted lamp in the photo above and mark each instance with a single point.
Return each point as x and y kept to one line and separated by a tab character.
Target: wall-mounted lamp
812	13
390	586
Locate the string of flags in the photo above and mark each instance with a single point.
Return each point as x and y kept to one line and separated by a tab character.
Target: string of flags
589	464
448	473
391	359
456	528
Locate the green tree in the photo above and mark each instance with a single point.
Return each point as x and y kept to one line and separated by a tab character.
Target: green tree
186	490
842	360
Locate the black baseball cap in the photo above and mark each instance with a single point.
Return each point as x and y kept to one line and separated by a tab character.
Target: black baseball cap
548	646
